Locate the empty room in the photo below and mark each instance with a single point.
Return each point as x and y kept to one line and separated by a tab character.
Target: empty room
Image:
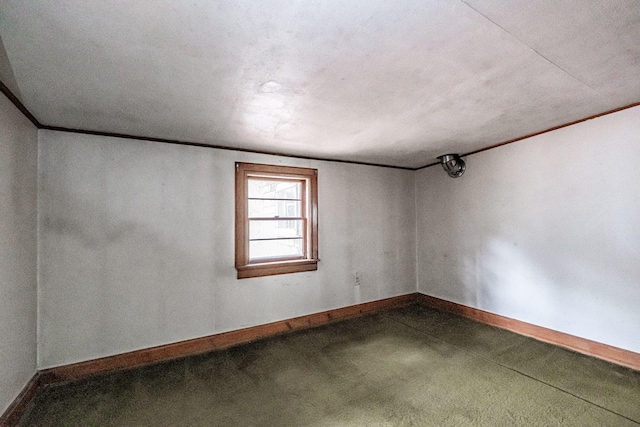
320	213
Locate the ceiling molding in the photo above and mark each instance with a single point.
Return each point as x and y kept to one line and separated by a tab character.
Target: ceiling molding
25	111
19	105
218	147
389	84
491	147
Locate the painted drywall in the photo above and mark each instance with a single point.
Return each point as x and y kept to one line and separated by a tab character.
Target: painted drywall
18	251
377	81
137	245
545	230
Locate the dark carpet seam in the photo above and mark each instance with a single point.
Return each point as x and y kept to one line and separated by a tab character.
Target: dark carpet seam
513	370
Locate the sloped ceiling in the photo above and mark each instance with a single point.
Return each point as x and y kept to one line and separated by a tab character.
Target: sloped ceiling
386	82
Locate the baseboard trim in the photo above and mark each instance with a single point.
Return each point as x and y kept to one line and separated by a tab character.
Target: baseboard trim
76	371
22	403
195	346
606	352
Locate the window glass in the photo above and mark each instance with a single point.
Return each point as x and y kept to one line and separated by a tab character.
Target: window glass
276	229
276	220
267	249
280	189
274	208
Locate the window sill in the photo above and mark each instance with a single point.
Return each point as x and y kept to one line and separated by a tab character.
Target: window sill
273	268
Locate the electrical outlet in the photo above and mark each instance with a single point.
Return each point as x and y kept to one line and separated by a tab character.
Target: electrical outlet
357	278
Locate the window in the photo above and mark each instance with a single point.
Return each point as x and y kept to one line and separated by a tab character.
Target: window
276	220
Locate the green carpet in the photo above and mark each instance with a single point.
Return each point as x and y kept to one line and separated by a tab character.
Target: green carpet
405	367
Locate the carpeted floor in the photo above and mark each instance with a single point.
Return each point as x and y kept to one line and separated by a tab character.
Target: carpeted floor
405	367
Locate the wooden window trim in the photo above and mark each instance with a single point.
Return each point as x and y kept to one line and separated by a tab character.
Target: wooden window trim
268	267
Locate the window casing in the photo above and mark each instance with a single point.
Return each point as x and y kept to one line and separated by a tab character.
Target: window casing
276	220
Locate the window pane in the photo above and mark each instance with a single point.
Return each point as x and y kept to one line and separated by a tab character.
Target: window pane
274	208
275	248
262	188
275	229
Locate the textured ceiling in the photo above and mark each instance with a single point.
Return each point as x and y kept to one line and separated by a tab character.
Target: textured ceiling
394	83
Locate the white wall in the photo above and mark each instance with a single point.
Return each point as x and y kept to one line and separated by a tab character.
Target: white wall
18	251
137	245
136	239
545	230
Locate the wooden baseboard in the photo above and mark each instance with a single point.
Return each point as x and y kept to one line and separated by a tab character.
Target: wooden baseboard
581	345
22	403
195	346
76	371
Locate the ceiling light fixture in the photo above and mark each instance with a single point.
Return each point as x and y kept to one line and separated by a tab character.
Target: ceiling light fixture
453	165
